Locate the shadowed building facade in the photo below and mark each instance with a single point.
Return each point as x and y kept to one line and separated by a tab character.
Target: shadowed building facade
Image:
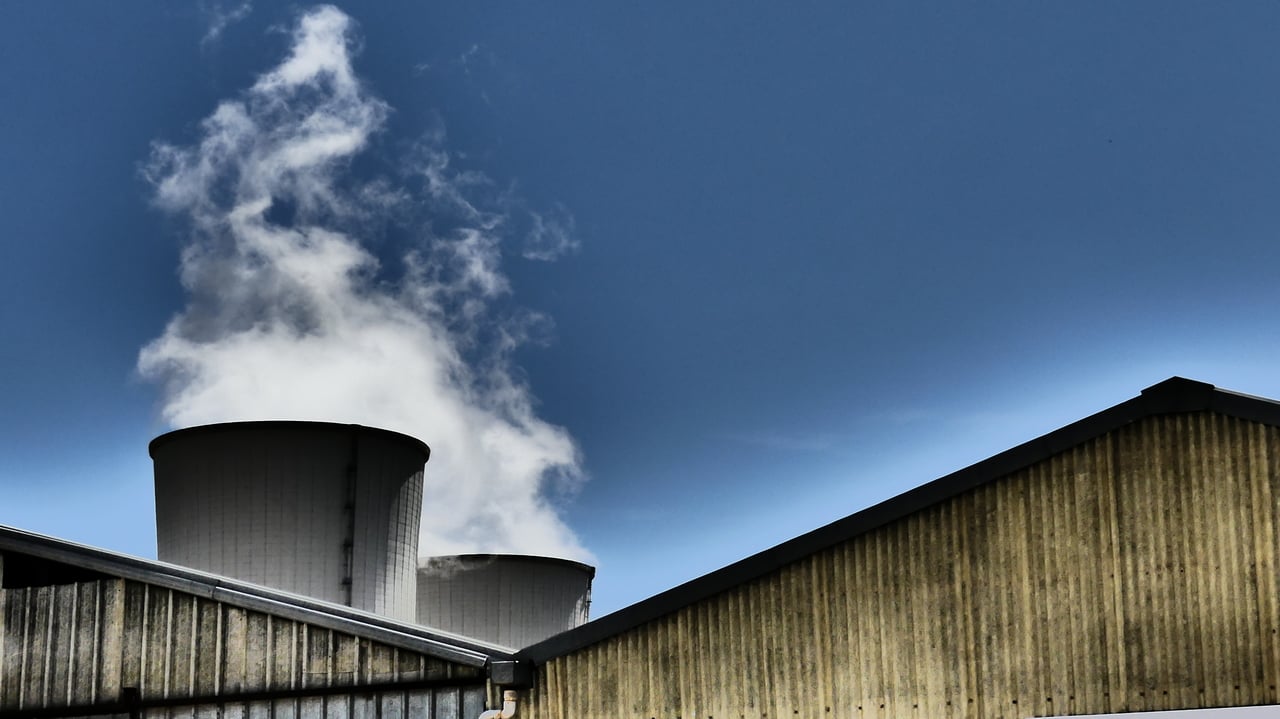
91	633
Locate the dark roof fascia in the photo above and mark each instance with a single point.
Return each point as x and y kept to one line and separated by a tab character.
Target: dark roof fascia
1175	395
440	645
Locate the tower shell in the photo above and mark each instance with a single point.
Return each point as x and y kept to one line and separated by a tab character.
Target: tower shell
507	599
329	511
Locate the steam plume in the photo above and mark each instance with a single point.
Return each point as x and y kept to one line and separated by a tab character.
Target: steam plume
290	316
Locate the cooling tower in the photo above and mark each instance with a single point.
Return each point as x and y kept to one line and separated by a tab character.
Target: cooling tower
329	511
506	599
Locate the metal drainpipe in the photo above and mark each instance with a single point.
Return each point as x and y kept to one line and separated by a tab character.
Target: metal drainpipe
508	709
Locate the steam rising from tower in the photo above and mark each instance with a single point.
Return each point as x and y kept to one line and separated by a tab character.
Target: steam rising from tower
290	316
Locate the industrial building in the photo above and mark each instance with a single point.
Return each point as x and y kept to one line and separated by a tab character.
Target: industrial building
1123	563
91	633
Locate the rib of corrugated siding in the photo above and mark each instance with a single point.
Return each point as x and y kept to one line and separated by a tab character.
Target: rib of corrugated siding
1134	572
77	644
438	703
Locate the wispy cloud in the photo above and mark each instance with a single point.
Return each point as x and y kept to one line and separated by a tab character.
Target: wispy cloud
474	57
550	236
219	16
291	316
469	56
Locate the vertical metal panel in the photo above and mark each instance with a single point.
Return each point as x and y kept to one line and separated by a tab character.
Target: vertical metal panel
10	680
79	644
337	706
446	705
1134	572
419	704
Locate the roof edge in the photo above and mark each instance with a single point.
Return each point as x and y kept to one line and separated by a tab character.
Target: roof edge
1172	396
441	645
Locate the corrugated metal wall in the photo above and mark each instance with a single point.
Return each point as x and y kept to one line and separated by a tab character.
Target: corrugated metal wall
1134	572
439	703
77	645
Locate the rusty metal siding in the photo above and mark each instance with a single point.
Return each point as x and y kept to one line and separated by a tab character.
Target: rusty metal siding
1133	572
78	645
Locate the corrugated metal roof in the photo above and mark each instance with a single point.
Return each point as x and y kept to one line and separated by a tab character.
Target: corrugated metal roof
434	643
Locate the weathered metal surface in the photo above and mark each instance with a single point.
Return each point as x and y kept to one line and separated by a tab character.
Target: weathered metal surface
83	644
443	703
461	702
85	564
1134	572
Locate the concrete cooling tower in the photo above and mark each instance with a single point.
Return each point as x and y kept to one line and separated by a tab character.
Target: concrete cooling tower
329	511
510	600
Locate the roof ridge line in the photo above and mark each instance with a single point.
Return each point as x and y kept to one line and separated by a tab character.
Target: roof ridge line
1171	396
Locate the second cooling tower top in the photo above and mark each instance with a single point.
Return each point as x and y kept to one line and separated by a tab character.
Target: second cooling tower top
329	511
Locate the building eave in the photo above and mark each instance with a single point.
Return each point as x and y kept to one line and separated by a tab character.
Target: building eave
432	643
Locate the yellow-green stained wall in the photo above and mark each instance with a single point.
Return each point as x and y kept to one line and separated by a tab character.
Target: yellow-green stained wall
1134	572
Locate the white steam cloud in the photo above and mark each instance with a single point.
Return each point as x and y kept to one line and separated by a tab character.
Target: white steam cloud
291	317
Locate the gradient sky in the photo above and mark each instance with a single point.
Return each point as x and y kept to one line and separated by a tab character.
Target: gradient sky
825	251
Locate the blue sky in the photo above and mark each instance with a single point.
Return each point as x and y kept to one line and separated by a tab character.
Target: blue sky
771	263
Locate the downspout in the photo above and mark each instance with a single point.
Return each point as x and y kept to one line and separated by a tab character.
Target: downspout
508	709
